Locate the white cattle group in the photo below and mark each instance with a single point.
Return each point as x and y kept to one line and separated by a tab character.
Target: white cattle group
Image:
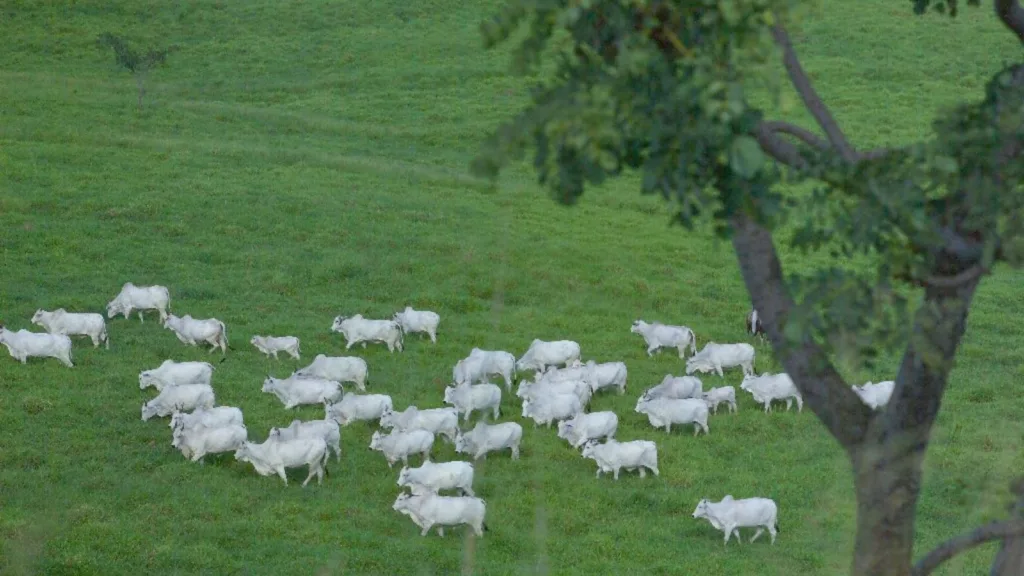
560	392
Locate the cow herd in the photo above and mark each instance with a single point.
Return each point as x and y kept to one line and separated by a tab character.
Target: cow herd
559	392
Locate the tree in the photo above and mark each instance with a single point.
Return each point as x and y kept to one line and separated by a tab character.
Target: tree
661	87
136	62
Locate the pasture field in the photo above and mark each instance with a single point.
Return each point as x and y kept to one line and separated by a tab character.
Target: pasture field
299	160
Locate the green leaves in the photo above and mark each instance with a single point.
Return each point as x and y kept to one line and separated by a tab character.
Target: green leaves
746	157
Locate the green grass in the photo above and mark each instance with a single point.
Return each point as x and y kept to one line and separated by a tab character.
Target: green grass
299	160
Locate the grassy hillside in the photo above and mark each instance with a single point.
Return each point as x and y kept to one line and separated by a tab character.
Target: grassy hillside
298	160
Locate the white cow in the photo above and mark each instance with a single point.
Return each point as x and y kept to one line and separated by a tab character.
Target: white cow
354	407
429	510
716	396
171	373
676	387
179	399
424	321
768	387
730	515
606	375
714	357
273	456
326	429
432	477
192	331
357	329
468	397
195	443
400	445
132	297
480	365
576	370
668	411
338	368
60	321
271	345
440	421
215	417
658	335
532	391
23	344
484	438
876	396
293	391
613	456
542	354
586	427
547	409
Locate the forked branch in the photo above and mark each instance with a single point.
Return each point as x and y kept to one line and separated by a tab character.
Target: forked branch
964	542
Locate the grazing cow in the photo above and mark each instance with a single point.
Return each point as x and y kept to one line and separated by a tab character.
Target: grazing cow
423	321
215	417
326	429
429	510
480	365
547	409
293	391
730	515
613	456
484	438
876	396
440	421
179	399
132	297
532	391
542	354
606	375
195	443
676	387
716	396
338	368
714	357
357	329
583	428
668	411
466	398
273	456
658	335
191	331
271	345
754	327
353	407
400	445
23	344
432	477
768	387
171	373
61	321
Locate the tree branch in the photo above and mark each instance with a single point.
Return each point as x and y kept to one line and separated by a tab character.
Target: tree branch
1012	16
955	281
950	548
828	396
779	149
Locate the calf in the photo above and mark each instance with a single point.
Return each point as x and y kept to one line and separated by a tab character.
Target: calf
658	335
423	321
466	398
547	409
442	421
132	297
480	365
171	373
23	344
191	331
542	354
61	321
676	387
876	396
326	429
432	477
195	443
273	456
715	357
484	438
353	407
754	327
716	396
338	368
768	387
583	428
271	345
294	391
179	399
357	329
730	515
429	510
606	375
400	445
668	411
613	456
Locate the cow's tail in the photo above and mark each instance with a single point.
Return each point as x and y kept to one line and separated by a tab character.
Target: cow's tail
693	342
106	337
223	336
323	461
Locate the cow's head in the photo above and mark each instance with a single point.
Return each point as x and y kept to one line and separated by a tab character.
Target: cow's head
564	429
244	452
401	503
336	326
147	412
588	448
37	318
113	308
701	511
641	404
254	340
268	384
461	442
698	364
637	327
375	440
